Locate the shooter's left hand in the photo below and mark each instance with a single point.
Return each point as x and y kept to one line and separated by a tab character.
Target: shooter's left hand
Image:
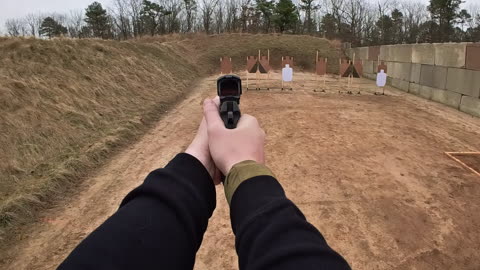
199	149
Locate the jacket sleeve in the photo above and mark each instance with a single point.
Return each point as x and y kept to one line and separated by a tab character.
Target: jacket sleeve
272	233
159	225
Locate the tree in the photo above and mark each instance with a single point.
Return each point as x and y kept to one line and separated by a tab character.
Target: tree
171	19
309	7
135	8
34	22
98	21
328	26
354	13
51	28
266	7
208	8
231	18
429	32
245	9
151	15
15	27
464	17
385	26
443	13
190	10
414	16
397	26
473	33
285	16
121	18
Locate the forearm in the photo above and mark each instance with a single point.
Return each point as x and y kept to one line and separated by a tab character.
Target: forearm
272	233
160	225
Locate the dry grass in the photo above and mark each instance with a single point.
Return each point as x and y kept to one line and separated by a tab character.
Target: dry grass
66	104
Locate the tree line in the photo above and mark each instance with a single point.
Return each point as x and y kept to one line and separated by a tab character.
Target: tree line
360	22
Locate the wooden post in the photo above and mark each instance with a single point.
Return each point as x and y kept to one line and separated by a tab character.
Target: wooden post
325	74
353	67
268	58
247	72
339	66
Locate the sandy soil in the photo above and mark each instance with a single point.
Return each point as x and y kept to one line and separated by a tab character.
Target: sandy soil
368	171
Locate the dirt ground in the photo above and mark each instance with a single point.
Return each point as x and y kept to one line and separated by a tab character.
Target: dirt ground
368	171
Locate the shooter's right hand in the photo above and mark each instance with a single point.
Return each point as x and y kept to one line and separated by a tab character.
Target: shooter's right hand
231	146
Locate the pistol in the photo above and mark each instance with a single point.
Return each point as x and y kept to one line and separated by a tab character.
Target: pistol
229	89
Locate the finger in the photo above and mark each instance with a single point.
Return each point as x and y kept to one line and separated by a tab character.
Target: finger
216	100
212	116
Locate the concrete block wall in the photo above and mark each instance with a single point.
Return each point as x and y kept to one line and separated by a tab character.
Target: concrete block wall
447	73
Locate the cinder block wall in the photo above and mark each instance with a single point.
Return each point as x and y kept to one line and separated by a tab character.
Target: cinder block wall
448	73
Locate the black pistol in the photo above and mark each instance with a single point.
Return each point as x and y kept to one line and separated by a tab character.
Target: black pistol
229	89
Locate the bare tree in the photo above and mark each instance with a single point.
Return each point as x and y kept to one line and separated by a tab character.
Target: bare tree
33	22
231	17
219	18
415	14
137	23
172	18
190	7
354	13
208	8
121	18
14	27
74	22
244	13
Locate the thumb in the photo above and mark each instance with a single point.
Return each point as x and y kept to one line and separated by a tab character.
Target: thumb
211	113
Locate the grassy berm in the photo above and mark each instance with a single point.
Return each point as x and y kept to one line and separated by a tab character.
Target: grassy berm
66	105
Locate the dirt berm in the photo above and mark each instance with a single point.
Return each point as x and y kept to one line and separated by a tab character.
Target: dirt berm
66	104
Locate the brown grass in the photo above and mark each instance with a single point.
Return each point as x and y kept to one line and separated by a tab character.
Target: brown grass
66	104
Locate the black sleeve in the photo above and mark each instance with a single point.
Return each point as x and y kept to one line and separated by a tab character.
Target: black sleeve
272	233
159	225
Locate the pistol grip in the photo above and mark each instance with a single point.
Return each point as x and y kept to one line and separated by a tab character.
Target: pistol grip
230	114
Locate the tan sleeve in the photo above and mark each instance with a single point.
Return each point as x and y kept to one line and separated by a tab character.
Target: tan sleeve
240	172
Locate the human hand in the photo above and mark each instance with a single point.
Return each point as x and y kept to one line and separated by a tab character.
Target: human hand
231	146
199	149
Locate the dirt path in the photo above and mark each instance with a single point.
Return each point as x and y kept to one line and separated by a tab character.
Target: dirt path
368	171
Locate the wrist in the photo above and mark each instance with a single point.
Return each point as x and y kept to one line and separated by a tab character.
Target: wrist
241	172
203	158
232	163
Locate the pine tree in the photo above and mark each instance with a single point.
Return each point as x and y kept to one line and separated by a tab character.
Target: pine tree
52	28
444	13
286	15
309	7
397	27
151	15
385	27
97	20
328	26
266	8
